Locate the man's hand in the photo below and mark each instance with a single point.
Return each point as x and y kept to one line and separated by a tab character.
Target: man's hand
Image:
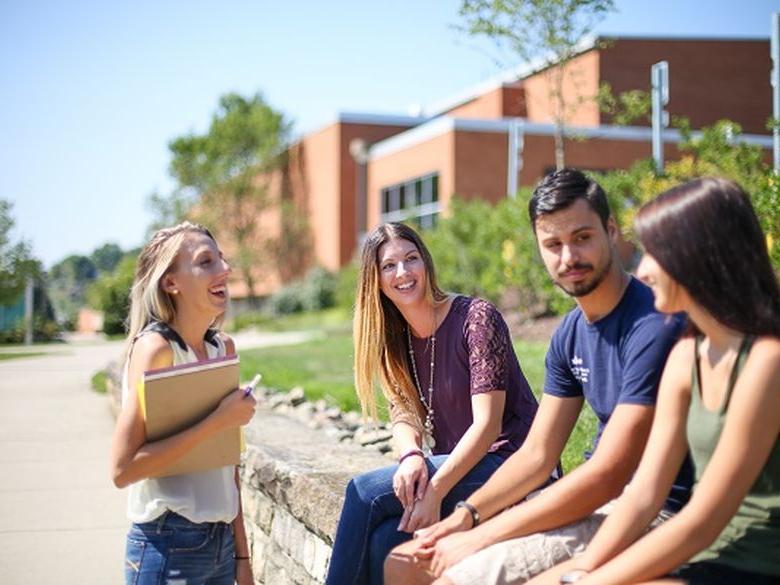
452	549
458	521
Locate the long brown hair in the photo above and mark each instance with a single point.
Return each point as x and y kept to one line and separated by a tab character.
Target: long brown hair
706	236
379	328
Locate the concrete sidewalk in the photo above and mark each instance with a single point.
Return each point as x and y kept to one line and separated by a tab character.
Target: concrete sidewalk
62	521
61	518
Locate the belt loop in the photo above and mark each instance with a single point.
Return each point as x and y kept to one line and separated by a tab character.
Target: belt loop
161	521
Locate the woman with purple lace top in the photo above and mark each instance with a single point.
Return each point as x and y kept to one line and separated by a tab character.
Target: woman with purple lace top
458	401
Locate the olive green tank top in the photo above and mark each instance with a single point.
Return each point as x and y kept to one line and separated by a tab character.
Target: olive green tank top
751	539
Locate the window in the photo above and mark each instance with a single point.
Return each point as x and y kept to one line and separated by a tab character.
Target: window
415	200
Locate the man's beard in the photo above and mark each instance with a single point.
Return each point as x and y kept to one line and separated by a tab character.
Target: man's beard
580	289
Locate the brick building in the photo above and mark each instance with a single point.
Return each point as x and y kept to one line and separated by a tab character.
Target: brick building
363	169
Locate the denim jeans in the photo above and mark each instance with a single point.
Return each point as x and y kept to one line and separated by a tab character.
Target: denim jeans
367	530
171	550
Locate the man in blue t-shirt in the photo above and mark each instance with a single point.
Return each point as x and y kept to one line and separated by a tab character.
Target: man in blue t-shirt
609	351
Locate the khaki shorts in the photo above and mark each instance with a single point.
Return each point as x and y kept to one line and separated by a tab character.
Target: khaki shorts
518	560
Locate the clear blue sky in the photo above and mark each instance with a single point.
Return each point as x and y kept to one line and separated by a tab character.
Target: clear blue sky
91	92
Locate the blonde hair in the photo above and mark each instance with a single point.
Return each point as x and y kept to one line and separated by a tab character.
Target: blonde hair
148	300
379	328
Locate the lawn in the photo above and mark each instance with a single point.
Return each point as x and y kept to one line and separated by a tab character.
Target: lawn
7	355
323	368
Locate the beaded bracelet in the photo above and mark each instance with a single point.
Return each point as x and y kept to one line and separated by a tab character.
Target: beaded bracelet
410	453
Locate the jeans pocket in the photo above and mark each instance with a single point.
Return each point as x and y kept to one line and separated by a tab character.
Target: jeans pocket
134	556
190	539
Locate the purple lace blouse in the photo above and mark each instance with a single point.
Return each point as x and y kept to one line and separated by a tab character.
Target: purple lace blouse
474	354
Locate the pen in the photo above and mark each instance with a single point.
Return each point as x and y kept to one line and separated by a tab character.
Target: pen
252	385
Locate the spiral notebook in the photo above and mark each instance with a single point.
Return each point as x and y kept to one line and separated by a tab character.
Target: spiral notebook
175	398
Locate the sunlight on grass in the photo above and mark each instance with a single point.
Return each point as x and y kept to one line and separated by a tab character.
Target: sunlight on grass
323	368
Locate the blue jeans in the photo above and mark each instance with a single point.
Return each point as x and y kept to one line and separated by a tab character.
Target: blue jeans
173	550
367	530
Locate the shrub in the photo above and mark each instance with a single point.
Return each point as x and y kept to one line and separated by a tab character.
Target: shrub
490	251
315	292
111	294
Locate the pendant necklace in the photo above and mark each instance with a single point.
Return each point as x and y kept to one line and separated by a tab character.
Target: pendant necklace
427	404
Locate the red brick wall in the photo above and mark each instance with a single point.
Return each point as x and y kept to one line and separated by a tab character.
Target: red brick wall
709	79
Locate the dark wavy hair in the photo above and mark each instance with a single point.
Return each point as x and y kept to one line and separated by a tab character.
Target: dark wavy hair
706	236
561	189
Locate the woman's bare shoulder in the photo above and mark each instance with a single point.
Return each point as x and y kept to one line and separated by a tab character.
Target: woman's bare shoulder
151	351
230	345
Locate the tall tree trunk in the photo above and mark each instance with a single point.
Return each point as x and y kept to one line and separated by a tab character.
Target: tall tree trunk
560	154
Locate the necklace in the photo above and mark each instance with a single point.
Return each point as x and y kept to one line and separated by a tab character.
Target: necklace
428	404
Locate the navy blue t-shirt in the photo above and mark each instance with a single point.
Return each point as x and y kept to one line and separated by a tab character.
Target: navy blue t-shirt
615	360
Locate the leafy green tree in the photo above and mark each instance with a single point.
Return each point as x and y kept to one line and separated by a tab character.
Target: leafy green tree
106	257
223	176
68	283
16	261
111	294
715	151
627	107
490	251
540	29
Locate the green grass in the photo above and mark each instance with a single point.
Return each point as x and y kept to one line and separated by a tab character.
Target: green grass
337	319
15	355
99	382
323	368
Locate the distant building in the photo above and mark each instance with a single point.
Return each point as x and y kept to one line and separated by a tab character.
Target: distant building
363	169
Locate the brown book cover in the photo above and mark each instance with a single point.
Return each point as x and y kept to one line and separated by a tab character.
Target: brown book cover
176	398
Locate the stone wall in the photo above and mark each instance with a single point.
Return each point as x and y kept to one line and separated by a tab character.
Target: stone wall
293	481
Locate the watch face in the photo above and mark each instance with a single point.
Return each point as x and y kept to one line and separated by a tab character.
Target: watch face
572	577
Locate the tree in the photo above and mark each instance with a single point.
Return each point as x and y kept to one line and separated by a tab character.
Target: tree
68	282
715	151
224	174
551	30
106	257
16	261
111	294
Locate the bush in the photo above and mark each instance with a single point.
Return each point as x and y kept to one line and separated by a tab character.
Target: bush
490	251
315	292
346	285
111	294
715	152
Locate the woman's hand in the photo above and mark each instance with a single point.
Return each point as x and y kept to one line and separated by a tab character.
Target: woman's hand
244	572
424	512
410	480
234	410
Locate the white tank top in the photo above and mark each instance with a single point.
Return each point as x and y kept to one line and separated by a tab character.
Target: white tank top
205	496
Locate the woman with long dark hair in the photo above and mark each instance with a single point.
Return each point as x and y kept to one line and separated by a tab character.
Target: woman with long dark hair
719	396
458	400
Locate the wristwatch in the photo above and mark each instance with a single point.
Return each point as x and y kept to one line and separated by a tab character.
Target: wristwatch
572	576
471	510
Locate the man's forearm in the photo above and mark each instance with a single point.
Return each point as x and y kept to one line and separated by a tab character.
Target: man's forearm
569	499
526	470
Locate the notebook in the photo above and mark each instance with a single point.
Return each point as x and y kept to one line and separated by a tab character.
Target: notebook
173	399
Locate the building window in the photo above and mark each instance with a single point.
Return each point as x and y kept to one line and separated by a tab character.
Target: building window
415	200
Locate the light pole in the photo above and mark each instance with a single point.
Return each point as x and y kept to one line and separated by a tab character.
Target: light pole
659	82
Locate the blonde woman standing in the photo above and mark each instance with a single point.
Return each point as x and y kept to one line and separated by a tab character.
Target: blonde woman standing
185	527
448	370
